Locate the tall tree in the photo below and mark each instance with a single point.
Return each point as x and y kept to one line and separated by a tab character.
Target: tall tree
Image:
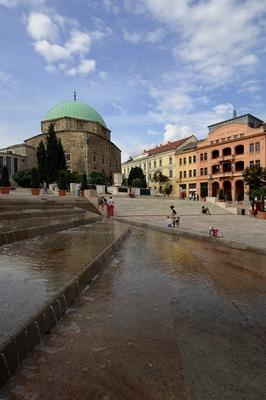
61	157
137	173
42	161
51	155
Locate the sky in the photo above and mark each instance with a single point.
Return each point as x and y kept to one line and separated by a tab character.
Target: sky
156	70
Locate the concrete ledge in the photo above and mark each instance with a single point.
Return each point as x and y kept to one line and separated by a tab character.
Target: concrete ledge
15	349
199	236
23	234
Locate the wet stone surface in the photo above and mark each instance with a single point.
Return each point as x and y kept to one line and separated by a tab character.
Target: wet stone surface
33	271
167	319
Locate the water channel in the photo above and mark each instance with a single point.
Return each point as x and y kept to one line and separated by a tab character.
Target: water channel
167	319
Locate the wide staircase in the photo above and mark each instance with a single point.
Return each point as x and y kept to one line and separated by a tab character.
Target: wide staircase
160	207
25	218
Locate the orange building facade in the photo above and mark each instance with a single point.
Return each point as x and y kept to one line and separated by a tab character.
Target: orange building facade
230	147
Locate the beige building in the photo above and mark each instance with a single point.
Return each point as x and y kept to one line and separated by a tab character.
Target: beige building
186	171
84	136
159	159
17	158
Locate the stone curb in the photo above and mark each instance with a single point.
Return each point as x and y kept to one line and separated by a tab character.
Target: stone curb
15	349
24	234
194	235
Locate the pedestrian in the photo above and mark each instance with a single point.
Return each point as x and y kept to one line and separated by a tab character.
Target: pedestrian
110	207
174	217
190	196
45	189
78	189
169	222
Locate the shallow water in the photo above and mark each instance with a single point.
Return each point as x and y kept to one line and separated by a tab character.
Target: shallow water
167	319
32	271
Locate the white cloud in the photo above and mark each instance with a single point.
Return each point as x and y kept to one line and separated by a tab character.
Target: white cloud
6	79
152	132
213	38
112	5
84	68
174	132
50	68
103	75
42	27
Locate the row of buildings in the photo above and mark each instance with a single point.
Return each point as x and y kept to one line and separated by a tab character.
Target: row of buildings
205	167
84	136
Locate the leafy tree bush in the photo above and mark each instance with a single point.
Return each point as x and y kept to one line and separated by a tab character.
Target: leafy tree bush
35	179
255	178
23	178
96	178
137	173
4	180
137	183
51	157
159	177
84	182
62	180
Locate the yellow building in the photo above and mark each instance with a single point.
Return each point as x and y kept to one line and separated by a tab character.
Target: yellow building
159	159
186	172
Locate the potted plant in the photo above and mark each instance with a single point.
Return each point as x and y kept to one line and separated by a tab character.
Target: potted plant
84	184
35	182
4	181
62	183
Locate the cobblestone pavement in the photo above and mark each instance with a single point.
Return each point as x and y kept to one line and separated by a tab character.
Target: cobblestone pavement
165	320
243	229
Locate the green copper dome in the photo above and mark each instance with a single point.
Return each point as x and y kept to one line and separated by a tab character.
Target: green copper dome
74	109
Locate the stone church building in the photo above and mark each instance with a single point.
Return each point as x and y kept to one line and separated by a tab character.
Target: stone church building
84	136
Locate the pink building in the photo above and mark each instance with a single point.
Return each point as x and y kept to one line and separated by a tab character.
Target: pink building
230	147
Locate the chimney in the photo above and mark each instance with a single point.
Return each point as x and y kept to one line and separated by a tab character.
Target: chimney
161	145
234	113
169	141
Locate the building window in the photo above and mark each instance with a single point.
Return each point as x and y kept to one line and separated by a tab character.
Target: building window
201	156
190	159
257	163
160	163
154	164
68	156
190	173
251	163
205	156
102	161
201	171
180	174
149	164
185	174
94	158
8	164
251	147
149	177
184	160
116	166
110	164
170	160
205	171
180	161
144	166
257	146
194	159
194	172
1	162
170	173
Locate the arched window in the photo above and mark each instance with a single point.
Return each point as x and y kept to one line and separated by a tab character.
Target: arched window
239	149
215	153
227	151
240	166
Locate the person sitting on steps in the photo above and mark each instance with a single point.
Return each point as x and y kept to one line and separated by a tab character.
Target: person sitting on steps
205	210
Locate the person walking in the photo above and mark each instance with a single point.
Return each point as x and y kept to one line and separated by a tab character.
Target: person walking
110	207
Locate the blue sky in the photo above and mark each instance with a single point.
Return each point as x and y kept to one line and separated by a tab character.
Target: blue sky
156	70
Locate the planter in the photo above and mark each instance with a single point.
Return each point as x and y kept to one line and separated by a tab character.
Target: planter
61	192
5	189
81	193
35	191
261	214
